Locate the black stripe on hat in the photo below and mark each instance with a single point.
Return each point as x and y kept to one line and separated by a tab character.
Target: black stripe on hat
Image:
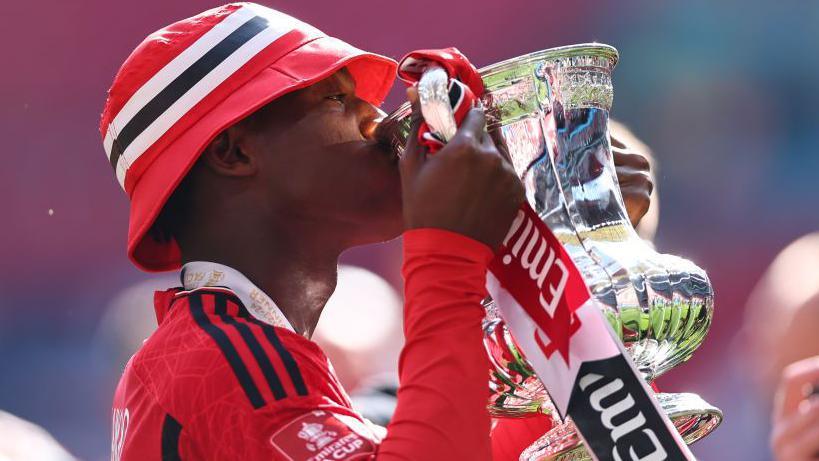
228	350
171	429
252	343
183	83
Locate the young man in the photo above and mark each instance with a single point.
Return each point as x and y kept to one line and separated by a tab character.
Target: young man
244	139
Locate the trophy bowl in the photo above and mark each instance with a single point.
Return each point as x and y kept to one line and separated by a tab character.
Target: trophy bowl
548	114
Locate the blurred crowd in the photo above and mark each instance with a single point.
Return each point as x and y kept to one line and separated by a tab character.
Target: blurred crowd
723	93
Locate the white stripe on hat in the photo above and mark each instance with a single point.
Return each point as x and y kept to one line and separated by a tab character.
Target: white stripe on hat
278	25
167	74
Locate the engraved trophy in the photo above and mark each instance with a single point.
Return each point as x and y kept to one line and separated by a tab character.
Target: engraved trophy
549	112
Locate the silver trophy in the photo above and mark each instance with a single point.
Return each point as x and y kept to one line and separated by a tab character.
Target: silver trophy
548	111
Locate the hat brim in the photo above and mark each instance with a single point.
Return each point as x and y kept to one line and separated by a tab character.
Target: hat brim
308	64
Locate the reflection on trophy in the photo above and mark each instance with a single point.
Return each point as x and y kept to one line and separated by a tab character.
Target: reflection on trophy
549	112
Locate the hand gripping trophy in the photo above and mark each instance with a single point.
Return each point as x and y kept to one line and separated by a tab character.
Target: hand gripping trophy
548	111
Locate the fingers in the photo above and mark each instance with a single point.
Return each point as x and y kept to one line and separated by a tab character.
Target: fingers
796	412
806	446
635	183
487	143
635	180
631	159
797	382
797	437
416	117
494	136
616	143
472	128
414	153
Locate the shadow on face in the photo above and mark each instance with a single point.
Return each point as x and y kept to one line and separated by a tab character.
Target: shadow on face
307	160
317	160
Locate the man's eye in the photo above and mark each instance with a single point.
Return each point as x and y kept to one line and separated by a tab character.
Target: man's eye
337	97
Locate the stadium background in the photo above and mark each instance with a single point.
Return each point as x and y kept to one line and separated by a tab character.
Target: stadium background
725	93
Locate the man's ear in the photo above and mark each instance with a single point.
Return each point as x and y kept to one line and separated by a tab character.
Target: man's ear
225	155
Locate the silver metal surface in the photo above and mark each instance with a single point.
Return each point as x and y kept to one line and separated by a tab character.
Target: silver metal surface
548	113
433	94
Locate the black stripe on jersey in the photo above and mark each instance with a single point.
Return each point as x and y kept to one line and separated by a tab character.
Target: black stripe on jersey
273	338
230	353
171	429
253	344
286	356
183	83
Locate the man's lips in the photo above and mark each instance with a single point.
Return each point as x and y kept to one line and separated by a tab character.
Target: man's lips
391	151
383	146
386	134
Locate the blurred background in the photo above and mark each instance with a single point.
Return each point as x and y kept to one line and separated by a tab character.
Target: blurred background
724	93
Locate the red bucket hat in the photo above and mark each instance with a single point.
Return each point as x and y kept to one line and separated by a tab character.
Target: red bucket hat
186	83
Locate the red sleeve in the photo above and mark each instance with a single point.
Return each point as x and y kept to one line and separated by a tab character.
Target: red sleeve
207	356
510	436
441	412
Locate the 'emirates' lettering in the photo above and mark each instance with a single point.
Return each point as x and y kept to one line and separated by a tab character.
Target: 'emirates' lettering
533	261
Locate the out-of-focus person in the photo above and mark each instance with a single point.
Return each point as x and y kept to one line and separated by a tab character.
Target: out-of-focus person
779	329
360	330
795	434
125	323
782	313
22	440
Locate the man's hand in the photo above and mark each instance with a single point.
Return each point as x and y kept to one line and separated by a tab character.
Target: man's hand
634	175
795	435
466	187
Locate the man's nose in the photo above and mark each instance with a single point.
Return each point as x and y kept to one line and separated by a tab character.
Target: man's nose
371	117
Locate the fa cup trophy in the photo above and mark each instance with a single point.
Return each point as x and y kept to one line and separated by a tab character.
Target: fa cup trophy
549	112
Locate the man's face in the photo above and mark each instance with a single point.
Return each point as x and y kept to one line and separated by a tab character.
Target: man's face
319	162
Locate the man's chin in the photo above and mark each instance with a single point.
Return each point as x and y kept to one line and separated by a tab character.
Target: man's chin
378	231
388	233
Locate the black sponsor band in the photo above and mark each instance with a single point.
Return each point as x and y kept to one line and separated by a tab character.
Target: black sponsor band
616	416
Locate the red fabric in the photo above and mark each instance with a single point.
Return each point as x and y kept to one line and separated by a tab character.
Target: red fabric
211	102
298	59
510	436
451	59
185	377
460	71
158	181
441	412
155	52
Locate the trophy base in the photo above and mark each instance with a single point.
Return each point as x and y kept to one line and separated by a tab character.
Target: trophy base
693	417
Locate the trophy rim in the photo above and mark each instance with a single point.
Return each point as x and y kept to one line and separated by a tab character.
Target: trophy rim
591	49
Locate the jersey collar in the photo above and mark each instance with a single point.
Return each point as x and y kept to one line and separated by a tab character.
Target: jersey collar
200	274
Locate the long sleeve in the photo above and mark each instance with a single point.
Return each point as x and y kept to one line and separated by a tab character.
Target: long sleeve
441	411
281	398
510	436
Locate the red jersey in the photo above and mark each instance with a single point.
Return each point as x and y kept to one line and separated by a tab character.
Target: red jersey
225	377
214	382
